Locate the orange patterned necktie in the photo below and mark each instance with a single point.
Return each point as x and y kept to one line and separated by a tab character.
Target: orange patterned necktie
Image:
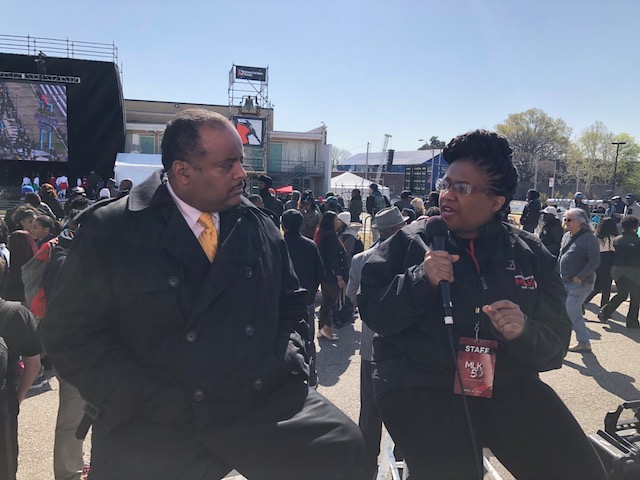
209	237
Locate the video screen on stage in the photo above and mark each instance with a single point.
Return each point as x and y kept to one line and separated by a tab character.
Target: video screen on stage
33	121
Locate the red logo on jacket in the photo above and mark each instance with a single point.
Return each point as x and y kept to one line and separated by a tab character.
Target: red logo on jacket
527	283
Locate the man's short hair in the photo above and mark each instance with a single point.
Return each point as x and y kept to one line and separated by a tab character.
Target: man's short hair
181	139
255	199
374	187
630	223
292	220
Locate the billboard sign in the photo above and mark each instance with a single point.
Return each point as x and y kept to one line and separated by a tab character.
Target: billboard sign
251	73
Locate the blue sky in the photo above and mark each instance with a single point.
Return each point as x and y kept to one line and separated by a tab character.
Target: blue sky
412	69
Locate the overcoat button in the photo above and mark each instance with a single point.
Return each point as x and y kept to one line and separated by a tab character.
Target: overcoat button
173	281
248	272
190	336
198	395
258	384
249	330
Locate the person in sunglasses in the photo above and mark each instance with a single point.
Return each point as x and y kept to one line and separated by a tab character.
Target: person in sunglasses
578	260
509	324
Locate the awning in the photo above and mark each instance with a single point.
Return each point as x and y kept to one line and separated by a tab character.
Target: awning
285	190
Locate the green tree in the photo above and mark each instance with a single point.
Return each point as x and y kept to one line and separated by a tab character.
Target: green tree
539	143
628	175
434	142
595	155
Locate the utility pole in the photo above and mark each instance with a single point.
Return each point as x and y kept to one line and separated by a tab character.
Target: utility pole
615	167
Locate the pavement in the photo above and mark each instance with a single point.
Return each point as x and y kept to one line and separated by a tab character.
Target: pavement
590	385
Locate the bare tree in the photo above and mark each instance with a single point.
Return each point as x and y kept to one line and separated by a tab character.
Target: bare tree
338	155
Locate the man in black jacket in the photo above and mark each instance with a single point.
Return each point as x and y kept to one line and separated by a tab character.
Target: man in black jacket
270	202
188	337
531	212
552	231
626	272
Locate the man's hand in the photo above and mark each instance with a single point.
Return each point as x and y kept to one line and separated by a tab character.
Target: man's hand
506	317
341	282
438	265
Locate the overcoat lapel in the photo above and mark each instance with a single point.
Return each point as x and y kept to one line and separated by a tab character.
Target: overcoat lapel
180	242
237	256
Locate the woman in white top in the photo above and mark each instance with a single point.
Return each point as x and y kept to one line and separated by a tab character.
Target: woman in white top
606	231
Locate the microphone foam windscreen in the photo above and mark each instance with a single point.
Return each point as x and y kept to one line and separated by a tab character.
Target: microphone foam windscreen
436	226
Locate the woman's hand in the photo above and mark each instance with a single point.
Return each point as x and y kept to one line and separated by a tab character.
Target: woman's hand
506	317
438	265
341	282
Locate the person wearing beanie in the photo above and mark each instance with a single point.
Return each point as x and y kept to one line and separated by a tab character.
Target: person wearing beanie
308	266
531	212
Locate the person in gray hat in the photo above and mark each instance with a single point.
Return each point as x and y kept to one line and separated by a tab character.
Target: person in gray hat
387	221
632	207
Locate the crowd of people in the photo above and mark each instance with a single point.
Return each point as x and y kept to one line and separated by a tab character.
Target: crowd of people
594	247
35	236
190	349
91	185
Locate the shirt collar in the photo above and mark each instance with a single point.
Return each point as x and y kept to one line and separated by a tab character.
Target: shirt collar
191	214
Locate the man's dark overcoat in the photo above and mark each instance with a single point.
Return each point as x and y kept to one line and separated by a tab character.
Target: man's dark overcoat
143	325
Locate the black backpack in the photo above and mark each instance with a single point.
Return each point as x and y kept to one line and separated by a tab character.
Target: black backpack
358	247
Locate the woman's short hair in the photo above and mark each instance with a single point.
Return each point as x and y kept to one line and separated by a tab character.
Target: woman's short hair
490	152
607	228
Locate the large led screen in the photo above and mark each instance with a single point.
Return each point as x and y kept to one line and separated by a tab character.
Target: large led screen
33	121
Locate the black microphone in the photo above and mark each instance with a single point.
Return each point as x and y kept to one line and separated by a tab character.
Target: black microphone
436	229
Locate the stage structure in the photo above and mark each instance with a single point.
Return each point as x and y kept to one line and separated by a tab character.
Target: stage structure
249	109
58	114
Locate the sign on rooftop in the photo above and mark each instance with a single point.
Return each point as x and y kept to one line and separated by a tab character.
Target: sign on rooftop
257	74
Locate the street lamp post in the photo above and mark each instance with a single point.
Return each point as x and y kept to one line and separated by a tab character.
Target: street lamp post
615	167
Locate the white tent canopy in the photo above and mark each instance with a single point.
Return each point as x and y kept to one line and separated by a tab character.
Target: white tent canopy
347	181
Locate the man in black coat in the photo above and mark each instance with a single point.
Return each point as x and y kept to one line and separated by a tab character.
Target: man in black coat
270	202
531	212
551	232
193	363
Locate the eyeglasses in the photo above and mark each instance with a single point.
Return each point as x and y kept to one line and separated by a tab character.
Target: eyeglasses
460	188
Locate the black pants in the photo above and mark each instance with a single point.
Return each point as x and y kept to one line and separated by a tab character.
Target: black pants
526	426
311	346
296	434
369	422
603	279
625	288
330	292
8	439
